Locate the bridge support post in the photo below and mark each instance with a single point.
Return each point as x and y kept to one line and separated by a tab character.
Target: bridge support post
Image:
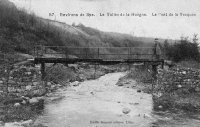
155	71
43	70
95	69
162	65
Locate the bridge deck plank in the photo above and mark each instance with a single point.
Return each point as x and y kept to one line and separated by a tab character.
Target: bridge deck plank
101	61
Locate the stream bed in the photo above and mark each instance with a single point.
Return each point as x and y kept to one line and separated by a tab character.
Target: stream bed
100	103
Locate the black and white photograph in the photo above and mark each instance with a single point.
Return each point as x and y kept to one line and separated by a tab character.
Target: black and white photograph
99	63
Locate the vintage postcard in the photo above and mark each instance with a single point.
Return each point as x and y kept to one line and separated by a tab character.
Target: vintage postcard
99	63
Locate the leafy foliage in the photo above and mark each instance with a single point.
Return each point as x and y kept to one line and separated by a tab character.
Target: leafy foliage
182	50
141	74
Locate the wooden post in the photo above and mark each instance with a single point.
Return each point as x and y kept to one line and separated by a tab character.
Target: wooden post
95	69
42	51
162	65
154	48
129	52
98	53
154	69
34	51
154	75
43	70
37	51
86	53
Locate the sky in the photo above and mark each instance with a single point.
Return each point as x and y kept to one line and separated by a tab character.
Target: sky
169	27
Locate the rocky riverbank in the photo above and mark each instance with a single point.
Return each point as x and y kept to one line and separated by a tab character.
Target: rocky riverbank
176	88
23	96
139	78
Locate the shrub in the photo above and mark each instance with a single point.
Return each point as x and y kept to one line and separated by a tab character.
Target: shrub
60	72
182	50
141	74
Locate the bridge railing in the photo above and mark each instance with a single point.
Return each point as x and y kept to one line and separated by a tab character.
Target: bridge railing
106	53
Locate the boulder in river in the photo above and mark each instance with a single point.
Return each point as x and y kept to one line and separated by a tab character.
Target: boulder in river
1	82
27	123
160	106
126	110
120	84
134	103
133	86
25	98
184	72
76	83
179	86
24	102
28	87
16	104
40	98
33	101
15	124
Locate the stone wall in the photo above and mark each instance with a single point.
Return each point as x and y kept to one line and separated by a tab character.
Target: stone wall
23	81
185	80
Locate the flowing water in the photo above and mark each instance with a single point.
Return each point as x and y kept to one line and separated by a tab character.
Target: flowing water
100	103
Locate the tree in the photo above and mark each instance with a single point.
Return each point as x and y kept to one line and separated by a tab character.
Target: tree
183	49
166	48
195	39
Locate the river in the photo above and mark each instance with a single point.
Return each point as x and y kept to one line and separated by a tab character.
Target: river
100	103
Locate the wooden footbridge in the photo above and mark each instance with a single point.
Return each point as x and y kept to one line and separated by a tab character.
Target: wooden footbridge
97	55
101	55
